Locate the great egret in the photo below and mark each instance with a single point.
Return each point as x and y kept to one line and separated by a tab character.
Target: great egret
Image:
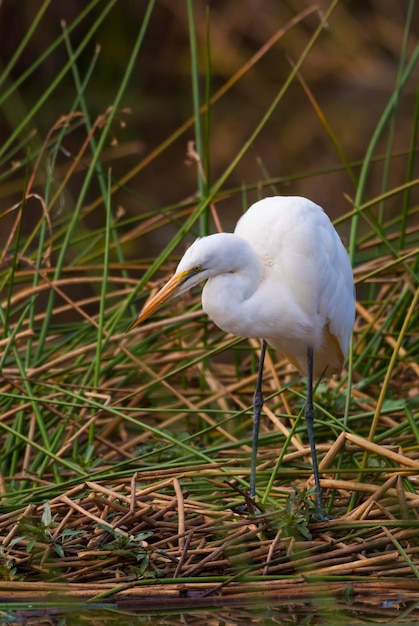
283	276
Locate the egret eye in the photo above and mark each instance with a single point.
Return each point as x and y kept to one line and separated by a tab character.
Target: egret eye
197	269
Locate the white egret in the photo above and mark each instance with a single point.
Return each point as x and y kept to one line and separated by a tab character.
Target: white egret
283	276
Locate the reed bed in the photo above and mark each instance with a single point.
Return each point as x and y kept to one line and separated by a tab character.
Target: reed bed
125	493
125	457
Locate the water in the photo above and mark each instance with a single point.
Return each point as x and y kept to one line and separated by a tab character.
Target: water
327	612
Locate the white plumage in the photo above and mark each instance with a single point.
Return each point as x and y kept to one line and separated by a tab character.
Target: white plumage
284	276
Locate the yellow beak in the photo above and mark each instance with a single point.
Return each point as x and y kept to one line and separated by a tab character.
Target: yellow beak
170	290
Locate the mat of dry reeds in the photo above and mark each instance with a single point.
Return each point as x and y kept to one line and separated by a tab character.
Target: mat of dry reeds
147	532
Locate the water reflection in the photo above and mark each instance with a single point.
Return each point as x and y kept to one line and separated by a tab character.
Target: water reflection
323	612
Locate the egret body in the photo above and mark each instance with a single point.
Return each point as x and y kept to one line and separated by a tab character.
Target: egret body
283	276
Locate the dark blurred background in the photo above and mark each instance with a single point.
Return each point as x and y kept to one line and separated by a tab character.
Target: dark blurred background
352	71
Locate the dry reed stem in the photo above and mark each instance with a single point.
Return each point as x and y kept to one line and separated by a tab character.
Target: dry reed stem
383	451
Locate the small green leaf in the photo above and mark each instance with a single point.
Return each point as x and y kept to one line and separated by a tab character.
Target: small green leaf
46	518
59	550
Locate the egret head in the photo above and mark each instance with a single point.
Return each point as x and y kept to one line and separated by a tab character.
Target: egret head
206	257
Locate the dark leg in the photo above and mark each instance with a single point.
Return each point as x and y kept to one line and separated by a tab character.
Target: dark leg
309	415
257	408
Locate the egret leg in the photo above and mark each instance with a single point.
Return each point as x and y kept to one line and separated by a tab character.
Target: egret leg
309	415
257	409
